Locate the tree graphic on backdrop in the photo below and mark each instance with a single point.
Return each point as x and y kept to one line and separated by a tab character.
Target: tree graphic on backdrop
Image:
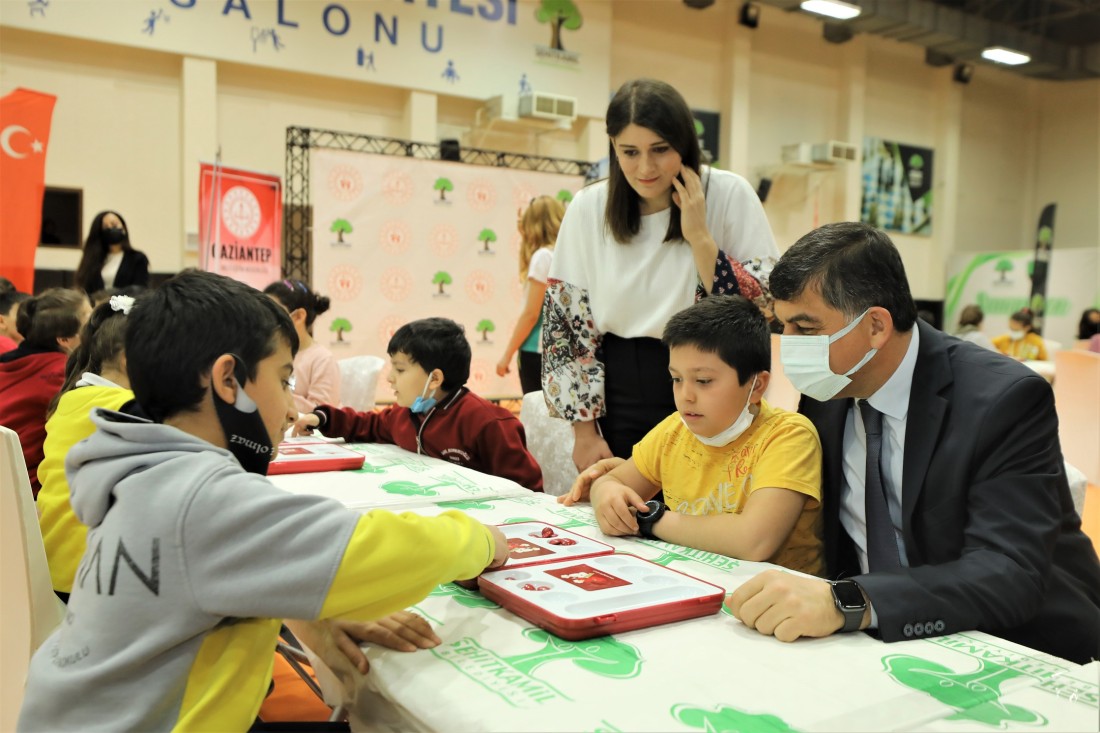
341	227
559	14
1004	267
442	278
339	325
484	326
564	195
443	185
487	236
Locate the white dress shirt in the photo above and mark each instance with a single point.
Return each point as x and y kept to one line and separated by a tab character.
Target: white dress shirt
892	400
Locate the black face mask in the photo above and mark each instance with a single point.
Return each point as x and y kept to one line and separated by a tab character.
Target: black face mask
244	428
112	235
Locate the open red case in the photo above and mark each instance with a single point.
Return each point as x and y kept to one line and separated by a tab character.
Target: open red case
299	457
535	543
582	597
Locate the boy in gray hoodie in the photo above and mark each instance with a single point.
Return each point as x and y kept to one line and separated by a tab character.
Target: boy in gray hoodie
193	557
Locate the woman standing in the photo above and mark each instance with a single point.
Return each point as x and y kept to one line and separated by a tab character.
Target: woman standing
108	260
538	228
661	232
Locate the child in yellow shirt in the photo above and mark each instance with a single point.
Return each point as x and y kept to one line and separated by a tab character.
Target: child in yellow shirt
740	477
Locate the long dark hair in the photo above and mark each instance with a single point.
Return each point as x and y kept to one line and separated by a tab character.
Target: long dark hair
95	249
295	294
102	342
655	106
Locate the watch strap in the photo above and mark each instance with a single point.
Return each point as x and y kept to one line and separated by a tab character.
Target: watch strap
650	518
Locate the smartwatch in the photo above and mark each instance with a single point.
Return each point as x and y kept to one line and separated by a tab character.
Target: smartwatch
850	602
654	511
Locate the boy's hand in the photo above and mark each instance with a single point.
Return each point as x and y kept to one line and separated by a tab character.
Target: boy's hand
403	631
615	505
582	487
305	424
788	606
500	556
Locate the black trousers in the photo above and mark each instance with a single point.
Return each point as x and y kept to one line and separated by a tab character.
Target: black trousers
530	371
637	390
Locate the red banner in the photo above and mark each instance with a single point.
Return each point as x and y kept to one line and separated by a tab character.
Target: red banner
241	224
24	137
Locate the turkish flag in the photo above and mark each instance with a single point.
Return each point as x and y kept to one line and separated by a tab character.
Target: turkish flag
24	137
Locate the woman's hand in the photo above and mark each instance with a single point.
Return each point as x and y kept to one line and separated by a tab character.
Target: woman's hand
692	200
504	366
588	445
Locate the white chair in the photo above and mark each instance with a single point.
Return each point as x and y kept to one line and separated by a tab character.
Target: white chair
29	607
780	392
550	441
359	381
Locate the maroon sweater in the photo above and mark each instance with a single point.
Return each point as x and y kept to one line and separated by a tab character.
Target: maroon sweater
29	379
463	429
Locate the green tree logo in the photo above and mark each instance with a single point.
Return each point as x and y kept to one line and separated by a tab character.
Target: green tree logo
728	720
1046	236
605	656
975	695
341	227
564	195
339	325
1004	267
484	327
442	278
463	597
559	14
373	468
465	504
411	488
487	236
443	185
1038	303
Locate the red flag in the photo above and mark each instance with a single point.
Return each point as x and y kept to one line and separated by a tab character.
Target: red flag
24	137
241	224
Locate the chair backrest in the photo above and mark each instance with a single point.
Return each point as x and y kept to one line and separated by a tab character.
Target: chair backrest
780	393
28	606
550	441
1077	401
359	381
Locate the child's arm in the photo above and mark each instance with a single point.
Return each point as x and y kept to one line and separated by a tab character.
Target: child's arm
616	497
347	423
502	451
756	534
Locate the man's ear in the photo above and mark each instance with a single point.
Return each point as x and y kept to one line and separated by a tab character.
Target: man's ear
222	378
882	326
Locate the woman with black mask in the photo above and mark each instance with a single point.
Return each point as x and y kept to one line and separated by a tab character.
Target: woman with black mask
109	261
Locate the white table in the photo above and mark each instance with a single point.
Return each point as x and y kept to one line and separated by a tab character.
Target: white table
392	476
496	672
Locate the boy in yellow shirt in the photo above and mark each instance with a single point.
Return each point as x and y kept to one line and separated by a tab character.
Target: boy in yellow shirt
740	477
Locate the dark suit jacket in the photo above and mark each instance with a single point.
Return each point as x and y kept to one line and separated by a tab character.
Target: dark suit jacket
991	534
133	270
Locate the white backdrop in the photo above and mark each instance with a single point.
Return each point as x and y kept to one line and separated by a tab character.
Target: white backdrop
396	239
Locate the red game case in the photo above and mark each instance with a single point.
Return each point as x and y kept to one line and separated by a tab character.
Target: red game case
607	594
536	543
298	457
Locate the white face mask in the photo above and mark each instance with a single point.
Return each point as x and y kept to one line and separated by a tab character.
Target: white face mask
1015	335
733	432
806	363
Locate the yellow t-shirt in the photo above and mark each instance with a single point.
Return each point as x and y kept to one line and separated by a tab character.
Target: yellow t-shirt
1030	348
779	450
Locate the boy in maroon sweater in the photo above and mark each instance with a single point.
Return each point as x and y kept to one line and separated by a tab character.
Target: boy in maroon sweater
435	414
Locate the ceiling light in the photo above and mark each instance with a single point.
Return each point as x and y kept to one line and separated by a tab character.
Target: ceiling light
832	8
1003	55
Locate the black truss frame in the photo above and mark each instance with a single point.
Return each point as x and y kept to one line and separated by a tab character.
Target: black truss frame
297	211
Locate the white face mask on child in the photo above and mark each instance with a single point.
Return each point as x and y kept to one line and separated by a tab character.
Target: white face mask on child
733	432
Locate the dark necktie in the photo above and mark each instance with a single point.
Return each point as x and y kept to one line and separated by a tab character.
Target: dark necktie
882	547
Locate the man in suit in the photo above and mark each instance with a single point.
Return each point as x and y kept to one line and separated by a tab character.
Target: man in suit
965	520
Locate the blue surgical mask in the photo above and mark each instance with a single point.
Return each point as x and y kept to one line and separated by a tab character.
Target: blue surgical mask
422	404
805	362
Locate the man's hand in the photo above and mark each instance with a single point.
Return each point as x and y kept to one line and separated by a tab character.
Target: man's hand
305	424
583	485
787	606
404	631
615	505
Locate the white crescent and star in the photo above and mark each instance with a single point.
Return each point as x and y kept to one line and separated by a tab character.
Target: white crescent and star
12	130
